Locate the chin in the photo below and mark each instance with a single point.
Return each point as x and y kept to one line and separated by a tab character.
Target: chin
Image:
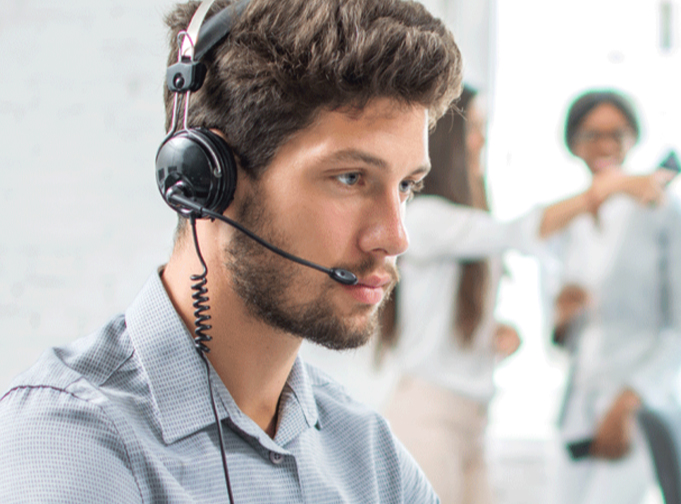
343	344
344	333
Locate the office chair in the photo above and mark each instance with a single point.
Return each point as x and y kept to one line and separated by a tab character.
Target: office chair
662	429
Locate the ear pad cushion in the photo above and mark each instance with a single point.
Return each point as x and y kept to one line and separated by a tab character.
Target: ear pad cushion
202	163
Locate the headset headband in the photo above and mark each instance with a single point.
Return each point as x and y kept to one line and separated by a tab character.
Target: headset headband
218	27
188	73
191	34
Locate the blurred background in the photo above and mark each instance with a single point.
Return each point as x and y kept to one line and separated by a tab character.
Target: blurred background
81	117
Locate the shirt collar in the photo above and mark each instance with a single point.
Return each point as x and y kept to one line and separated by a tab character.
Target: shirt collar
177	374
297	397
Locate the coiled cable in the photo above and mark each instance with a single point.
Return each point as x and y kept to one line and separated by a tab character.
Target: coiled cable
201	308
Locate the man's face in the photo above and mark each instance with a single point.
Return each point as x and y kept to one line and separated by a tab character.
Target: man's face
334	194
604	138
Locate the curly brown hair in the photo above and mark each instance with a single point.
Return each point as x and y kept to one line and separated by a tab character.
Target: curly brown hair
286	60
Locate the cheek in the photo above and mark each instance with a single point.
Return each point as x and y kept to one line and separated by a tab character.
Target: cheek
581	152
624	150
336	223
321	230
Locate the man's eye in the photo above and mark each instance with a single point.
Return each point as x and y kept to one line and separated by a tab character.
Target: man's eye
348	178
411	187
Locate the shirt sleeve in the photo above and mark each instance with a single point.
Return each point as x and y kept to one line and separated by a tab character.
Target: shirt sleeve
55	447
440	229
655	379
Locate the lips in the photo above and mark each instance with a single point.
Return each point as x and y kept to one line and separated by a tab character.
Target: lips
602	164
370	290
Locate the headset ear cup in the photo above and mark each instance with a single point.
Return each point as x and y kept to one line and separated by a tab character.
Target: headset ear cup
224	194
202	163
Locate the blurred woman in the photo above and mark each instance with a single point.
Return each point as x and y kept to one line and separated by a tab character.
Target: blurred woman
618	312
440	324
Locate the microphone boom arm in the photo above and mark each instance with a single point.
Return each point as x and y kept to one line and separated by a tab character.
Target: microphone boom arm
174	196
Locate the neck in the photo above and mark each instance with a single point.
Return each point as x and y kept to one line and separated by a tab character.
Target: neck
252	359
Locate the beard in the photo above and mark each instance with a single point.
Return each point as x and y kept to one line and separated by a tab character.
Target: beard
267	284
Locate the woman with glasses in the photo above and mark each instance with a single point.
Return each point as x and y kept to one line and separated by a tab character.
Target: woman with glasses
439	325
618	312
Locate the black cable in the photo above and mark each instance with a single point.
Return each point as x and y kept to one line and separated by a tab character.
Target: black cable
200	308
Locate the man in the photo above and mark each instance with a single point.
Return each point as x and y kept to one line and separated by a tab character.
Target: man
326	105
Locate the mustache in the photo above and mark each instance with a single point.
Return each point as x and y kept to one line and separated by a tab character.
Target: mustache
370	265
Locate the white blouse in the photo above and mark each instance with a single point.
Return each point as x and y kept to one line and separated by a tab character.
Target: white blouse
442	234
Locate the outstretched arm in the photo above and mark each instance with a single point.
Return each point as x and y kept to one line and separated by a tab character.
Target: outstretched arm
439	228
645	189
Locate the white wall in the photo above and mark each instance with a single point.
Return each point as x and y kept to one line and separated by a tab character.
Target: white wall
473	25
81	116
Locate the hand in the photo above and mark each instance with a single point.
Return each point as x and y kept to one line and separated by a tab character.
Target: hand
506	340
613	437
570	303
648	189
603	185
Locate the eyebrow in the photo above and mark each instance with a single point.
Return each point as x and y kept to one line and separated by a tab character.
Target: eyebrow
355	155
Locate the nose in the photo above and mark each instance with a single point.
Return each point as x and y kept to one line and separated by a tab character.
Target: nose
385	233
608	144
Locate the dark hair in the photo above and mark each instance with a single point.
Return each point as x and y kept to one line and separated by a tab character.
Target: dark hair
588	101
285	60
448	178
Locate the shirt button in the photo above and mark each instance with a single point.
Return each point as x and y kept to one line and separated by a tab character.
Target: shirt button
276	458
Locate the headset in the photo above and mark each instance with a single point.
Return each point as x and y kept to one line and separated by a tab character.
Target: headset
196	162
196	172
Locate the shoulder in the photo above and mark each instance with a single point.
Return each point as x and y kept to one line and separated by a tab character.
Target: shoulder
55	434
42	417
68	383
61	446
93	358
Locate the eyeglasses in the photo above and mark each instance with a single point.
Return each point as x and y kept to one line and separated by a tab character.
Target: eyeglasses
619	136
